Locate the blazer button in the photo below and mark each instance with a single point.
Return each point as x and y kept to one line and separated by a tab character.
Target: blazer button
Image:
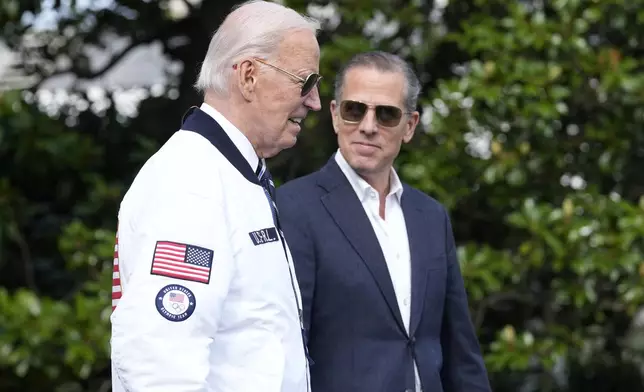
409	390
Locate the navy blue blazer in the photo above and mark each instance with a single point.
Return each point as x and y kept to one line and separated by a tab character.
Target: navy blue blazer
356	337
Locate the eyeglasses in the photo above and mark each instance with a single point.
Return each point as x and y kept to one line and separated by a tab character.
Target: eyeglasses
386	115
307	84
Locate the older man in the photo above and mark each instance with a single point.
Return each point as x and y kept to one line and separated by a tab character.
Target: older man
384	302
205	297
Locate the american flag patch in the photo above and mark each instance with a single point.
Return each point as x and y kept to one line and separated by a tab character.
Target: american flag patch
176	297
182	261
116	275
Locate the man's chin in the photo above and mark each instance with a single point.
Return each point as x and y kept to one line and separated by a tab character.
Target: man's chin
361	164
364	169
284	144
290	141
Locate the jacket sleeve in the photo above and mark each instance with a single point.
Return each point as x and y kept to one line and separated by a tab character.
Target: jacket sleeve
463	367
294	223
177	265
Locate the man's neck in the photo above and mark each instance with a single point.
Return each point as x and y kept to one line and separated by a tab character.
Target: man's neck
379	181
382	184
233	113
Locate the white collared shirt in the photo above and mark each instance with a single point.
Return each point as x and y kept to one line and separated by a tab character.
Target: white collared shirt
391	233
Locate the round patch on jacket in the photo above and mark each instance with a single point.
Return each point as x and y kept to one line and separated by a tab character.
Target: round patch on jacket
176	302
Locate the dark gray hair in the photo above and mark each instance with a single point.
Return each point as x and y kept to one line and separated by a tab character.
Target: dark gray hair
384	62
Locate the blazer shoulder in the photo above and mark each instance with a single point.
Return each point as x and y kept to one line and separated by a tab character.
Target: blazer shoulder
423	200
301	188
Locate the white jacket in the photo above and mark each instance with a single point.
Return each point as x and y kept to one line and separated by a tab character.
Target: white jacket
203	298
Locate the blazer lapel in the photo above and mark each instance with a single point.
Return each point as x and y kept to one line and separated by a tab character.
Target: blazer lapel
345	208
416	233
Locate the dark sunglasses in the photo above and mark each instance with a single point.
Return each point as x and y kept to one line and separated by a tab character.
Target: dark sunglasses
307	84
354	112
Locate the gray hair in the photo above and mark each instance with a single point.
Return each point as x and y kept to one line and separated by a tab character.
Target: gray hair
384	62
254	28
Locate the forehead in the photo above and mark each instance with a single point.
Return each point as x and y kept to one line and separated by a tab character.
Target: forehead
373	86
299	50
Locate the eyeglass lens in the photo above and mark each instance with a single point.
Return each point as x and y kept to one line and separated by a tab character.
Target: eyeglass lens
354	111
310	83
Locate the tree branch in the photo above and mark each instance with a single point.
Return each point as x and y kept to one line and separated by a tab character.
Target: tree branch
114	60
83	74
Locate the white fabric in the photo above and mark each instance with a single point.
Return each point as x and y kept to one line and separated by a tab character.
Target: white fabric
391	233
244	333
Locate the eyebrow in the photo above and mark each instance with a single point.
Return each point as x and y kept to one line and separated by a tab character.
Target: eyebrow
301	74
307	71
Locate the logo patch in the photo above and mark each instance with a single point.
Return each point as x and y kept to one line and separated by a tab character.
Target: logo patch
264	236
176	302
182	261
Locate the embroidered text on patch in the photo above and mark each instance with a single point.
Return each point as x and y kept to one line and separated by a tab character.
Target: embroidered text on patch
176	302
263	236
182	261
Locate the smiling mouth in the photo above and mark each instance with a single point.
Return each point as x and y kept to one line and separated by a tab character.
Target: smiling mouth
296	120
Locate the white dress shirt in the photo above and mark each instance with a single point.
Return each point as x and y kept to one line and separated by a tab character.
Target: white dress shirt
391	233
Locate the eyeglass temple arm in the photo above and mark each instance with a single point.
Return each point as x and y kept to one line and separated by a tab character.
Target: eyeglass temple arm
282	70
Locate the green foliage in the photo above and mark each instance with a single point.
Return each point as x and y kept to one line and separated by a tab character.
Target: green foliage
59	338
532	138
558	102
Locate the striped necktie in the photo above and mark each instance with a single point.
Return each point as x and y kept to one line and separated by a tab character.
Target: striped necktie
266	180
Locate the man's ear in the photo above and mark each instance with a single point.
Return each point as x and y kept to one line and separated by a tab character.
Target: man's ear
246	73
334	115
410	126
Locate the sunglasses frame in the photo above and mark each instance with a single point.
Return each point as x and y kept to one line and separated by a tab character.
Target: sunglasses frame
299	79
374	107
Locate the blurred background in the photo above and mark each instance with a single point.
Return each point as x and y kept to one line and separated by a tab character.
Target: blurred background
532	135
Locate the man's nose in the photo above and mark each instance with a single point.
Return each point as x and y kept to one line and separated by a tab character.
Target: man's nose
369	125
312	100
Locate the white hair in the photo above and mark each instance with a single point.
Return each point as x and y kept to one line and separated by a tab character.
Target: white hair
254	28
